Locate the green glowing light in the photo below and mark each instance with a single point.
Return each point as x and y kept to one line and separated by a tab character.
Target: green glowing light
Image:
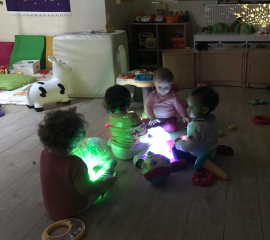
95	153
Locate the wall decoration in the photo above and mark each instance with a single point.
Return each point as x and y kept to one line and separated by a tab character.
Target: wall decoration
38	7
253	14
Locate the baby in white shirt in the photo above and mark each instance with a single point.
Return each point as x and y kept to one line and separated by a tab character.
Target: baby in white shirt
202	131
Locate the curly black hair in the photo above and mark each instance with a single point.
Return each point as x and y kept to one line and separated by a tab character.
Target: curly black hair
61	131
208	97
164	74
117	98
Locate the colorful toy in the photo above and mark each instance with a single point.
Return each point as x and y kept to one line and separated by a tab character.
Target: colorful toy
160	9
224	28
127	75
156	168
261	119
54	90
143	36
203	161
146	18
247	28
4	69
147	76
97	156
150	43
159	18
232	127
207	29
171	19
235	23
178	41
203	178
258	101
138	17
76	229
181	16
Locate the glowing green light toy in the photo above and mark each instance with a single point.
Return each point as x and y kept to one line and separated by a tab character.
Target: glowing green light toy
96	154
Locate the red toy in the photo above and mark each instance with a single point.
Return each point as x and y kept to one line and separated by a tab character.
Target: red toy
127	75
203	178
261	119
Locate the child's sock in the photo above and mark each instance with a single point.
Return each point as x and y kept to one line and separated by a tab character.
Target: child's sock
139	163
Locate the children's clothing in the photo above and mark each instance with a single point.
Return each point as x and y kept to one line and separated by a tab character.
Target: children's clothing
126	129
165	109
63	181
202	136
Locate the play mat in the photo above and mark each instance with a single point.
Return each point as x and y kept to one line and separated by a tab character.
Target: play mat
17	96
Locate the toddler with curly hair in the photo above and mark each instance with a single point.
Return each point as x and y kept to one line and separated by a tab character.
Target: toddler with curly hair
65	183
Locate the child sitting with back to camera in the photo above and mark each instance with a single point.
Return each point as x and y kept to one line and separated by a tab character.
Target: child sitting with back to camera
202	131
66	188
163	104
126	127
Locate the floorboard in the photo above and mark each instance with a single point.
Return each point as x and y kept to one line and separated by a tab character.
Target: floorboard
133	209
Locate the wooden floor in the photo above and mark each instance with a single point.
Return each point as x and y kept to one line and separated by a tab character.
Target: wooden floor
133	209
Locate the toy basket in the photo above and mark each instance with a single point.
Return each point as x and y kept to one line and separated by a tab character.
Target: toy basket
178	42
172	19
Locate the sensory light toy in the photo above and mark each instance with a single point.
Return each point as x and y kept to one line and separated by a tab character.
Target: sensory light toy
96	154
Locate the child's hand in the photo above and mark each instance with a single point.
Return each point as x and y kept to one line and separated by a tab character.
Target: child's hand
152	122
185	119
109	182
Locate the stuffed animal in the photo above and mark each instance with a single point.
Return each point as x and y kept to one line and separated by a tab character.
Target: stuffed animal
53	90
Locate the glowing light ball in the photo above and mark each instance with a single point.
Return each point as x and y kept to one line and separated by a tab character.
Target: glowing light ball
156	168
161	142
95	153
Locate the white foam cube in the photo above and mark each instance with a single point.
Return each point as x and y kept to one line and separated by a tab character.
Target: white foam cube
28	67
95	58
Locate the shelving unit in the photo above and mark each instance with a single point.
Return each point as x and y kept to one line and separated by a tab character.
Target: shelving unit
163	32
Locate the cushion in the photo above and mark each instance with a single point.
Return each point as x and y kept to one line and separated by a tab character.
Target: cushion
10	82
5	52
28	47
49	50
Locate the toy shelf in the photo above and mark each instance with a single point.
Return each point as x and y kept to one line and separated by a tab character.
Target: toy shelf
163	33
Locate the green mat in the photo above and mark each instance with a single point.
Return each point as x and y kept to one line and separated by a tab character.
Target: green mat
10	82
28	47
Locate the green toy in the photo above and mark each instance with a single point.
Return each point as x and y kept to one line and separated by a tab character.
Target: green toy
224	28
246	26
258	101
236	23
208	29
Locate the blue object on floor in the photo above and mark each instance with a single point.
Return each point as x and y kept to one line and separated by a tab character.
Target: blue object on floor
2	114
